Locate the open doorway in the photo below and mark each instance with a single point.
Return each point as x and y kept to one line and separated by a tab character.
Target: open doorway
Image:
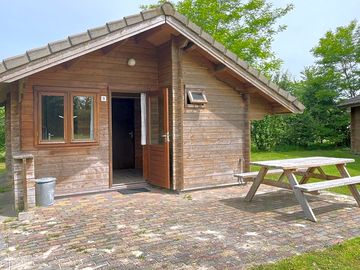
127	157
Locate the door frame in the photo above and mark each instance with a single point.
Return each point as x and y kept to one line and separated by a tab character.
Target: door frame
126	95
129	91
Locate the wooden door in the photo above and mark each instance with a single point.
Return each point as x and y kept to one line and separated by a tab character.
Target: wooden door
157	171
123	133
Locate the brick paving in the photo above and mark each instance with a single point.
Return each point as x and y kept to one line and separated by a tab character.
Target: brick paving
212	229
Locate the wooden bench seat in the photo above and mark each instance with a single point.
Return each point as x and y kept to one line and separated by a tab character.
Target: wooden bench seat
252	175
328	184
248	175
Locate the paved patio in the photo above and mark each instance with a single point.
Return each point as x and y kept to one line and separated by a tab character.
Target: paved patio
212	229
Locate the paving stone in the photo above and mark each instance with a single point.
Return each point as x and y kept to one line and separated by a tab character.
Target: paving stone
217	229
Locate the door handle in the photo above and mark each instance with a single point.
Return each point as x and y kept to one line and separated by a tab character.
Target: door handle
166	137
131	134
50	135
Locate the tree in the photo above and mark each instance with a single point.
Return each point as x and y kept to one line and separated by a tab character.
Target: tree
322	122
338	57
266	134
335	75
273	131
327	123
245	27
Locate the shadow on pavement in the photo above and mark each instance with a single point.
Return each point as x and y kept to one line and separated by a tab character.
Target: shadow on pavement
6	200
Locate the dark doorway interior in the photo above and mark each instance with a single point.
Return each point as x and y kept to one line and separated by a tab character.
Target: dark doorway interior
123	131
126	148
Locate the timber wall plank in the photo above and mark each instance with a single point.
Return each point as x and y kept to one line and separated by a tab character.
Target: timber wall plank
86	168
214	137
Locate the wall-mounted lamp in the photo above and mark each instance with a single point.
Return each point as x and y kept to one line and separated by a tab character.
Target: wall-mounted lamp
131	62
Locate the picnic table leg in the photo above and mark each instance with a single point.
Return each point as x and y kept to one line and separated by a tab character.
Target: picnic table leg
300	197
344	173
306	177
254	187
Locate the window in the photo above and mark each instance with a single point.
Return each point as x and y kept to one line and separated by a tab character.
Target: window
195	97
52	118
156	112
83	118
66	117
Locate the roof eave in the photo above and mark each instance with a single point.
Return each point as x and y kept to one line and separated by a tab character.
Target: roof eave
351	102
235	64
349	105
91	45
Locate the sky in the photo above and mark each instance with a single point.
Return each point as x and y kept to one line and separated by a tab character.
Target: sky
306	24
31	24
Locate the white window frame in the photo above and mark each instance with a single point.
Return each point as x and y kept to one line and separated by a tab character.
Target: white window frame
196	101
189	99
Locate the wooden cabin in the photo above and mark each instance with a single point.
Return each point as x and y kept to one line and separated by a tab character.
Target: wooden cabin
354	106
149	98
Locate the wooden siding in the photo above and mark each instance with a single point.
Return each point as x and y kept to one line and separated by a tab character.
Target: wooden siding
86	168
177	113
259	107
206	144
216	137
9	138
355	129
169	73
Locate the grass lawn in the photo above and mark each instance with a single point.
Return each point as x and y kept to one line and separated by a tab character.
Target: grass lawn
342	256
353	168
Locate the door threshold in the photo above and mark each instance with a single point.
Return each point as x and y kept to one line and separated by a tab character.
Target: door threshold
129	185
99	191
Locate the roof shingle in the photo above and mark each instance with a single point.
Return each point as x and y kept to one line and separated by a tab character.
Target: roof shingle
116	25
39	53
133	19
59	45
79	38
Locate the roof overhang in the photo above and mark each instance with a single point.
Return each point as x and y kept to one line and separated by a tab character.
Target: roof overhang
37	60
349	103
79	50
239	67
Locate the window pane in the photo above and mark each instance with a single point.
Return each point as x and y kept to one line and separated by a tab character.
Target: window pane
198	96
52	118
83	118
156	120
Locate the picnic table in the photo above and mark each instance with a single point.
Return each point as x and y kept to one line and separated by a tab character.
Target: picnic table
310	167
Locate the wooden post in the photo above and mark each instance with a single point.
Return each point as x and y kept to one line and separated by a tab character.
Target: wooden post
23	181
25	195
246	134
